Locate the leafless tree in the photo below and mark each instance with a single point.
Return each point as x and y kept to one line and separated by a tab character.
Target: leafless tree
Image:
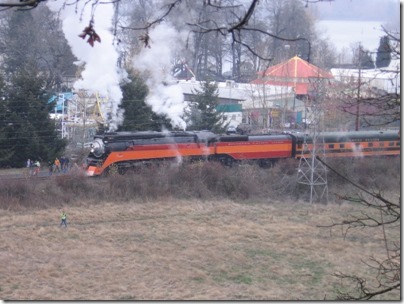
373	106
383	213
26	38
237	20
20	4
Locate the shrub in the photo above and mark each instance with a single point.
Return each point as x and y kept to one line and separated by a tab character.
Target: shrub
202	180
20	189
14	192
373	173
73	183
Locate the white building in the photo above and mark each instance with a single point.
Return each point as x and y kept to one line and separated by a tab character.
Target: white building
252	104
230	99
385	79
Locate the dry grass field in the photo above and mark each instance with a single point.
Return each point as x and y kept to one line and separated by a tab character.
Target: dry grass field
193	232
181	250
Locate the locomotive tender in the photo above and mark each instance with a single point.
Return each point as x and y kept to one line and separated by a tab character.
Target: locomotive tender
124	150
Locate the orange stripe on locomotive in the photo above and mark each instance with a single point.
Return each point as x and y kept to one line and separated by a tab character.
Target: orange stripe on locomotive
377	144
153	152
255	149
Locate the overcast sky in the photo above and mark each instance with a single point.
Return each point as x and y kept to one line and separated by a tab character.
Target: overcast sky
366	10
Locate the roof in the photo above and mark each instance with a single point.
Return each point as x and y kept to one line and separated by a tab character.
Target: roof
386	79
225	90
295	72
296	68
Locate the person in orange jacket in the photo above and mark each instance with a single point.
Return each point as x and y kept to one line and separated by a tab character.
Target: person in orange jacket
57	165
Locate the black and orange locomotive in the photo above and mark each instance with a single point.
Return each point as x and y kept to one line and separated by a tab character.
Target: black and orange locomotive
124	150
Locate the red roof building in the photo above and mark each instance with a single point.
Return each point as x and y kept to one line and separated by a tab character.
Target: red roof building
295	73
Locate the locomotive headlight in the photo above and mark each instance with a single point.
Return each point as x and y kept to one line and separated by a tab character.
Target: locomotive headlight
97	147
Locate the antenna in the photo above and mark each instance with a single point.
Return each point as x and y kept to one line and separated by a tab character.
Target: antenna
312	172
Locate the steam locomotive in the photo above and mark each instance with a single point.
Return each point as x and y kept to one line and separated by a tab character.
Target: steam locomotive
124	150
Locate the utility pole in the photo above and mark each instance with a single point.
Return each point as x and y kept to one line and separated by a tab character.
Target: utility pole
358	96
84	122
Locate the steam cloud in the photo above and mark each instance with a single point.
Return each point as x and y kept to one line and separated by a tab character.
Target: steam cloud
101	74
165	94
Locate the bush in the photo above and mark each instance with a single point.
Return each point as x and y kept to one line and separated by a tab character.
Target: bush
201	180
381	173
73	183
15	194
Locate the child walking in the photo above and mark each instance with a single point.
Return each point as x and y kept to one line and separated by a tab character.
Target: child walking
63	216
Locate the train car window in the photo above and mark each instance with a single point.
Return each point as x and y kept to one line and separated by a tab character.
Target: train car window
357	145
299	146
381	144
331	146
398	144
370	145
391	144
342	146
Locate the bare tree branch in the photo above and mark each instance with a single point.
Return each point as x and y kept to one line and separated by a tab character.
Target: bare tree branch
246	17
375	195
388	276
169	9
360	288
21	3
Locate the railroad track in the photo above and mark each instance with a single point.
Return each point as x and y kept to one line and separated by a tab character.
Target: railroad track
22	176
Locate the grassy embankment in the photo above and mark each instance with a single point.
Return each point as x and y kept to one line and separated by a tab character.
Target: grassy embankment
198	232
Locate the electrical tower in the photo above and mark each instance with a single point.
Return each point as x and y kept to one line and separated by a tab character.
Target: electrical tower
311	171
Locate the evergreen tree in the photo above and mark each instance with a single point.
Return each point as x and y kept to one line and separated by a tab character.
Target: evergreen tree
366	61
5	154
138	116
203	114
26	130
383	56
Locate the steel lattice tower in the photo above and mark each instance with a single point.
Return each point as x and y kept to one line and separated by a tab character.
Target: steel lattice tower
311	171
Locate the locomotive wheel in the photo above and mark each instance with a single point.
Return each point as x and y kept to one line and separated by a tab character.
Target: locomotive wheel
112	170
227	161
116	169
122	170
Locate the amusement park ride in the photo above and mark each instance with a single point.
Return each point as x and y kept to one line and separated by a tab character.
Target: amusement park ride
77	115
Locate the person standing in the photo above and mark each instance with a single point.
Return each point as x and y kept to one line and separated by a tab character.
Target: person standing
63	217
37	168
29	167
66	164
62	164
50	165
57	165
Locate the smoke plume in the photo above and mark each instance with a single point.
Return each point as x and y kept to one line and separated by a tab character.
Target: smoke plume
101	74
165	95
